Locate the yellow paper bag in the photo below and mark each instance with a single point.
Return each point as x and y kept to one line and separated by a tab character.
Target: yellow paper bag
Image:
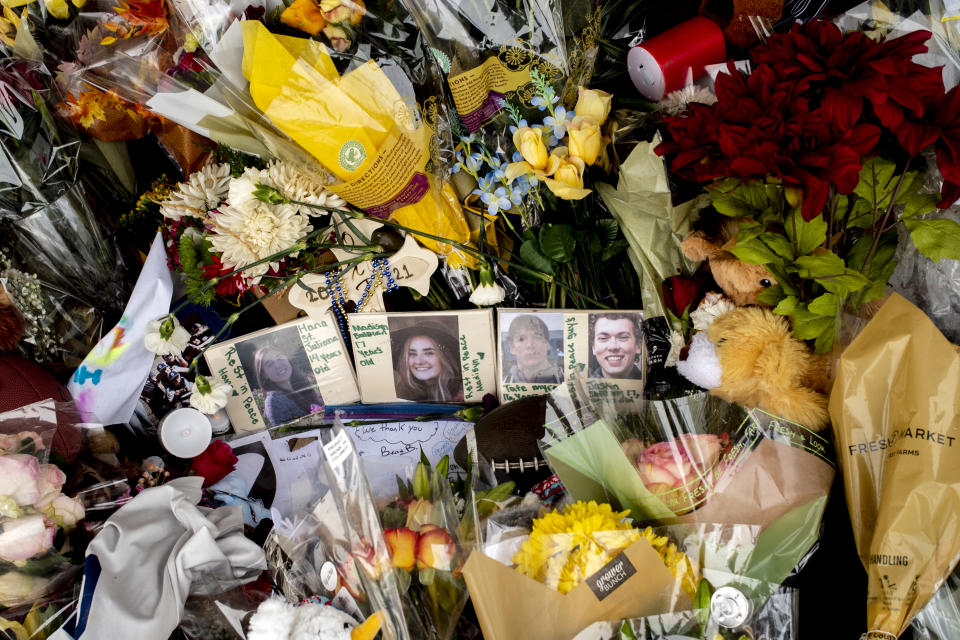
359	127
895	408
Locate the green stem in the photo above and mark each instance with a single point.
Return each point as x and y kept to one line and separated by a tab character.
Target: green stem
463	247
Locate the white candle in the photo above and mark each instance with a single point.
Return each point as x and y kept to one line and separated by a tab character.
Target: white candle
220	422
185	432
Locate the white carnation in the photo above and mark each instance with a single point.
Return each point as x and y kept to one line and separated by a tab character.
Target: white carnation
213	401
173	345
711	307
486	295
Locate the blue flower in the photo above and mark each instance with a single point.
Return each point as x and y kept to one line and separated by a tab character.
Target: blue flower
513	129
558	121
496	201
548	98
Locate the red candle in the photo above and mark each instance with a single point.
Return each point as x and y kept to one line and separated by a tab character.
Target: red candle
672	59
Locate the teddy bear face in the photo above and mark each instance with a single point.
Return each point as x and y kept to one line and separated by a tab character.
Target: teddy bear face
741	282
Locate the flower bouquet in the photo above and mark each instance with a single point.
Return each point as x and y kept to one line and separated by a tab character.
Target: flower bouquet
408	558
694	459
34	514
817	156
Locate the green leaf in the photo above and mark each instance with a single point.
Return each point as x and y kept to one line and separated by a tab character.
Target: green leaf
784	281
824	342
878	270
807	236
754	252
531	256
808	326
786	306
919	203
743	201
861	216
187	252
820	265
608	229
557	241
614	249
771	295
877	182
626	631
847	282
702	602
825	305
937	239
748	230
779	244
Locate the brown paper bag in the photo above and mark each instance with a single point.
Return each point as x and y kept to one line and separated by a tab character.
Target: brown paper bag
510	605
895	408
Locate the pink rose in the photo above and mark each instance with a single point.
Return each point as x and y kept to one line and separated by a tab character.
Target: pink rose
684	463
14	442
64	510
24	538
20	478
50	480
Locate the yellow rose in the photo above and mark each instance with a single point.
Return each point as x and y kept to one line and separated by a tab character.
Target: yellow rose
529	142
585	139
304	15
594	103
58	9
567	181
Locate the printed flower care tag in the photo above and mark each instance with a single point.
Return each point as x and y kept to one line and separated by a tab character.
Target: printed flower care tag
611	576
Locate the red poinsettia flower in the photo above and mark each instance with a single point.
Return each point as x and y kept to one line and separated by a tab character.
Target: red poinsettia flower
214	463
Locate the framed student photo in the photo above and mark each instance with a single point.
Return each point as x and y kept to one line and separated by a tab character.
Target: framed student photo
443	356
540	349
285	374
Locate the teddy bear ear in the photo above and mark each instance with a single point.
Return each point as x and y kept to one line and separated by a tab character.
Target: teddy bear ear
697	246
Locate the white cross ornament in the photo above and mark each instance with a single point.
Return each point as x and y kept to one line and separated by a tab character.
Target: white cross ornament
411	266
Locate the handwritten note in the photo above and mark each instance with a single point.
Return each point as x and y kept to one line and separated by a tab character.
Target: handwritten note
390	449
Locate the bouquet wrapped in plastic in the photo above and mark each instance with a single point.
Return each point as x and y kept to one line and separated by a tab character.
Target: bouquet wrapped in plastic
34	514
409	558
694	459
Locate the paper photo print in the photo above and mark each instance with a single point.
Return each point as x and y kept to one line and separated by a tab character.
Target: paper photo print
284	374
542	349
424	357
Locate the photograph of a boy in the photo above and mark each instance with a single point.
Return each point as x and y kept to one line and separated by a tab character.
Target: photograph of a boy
529	353
616	346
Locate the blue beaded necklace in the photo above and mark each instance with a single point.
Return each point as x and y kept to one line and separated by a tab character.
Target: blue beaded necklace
380	271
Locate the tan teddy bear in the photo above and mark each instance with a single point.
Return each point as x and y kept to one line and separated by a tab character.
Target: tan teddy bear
741	282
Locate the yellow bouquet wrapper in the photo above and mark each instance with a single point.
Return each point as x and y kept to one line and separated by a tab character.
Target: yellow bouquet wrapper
895	407
360	128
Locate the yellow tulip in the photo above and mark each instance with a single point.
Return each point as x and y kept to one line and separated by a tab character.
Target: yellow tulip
585	139
58	9
529	142
567	181
594	103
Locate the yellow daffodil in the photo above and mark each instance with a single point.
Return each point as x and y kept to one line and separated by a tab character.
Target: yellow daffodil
585	140
567	181
594	103
9	24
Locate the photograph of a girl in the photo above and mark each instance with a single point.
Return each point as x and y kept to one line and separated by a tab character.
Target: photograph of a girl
280	376
426	364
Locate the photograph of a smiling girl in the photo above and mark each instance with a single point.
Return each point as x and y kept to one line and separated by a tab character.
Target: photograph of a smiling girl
426	364
278	370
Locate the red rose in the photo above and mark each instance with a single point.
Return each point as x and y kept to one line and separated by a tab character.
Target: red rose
682	292
214	463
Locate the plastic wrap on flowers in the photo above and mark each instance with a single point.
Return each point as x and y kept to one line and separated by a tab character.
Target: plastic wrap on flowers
488	51
694	459
411	573
35	515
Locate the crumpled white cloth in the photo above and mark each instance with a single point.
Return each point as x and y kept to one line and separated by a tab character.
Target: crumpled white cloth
151	554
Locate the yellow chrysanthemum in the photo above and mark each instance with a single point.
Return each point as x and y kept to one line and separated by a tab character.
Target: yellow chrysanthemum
679	563
564	548
567	547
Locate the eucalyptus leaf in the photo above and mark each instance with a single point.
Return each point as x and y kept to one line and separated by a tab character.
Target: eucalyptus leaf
937	239
806	236
557	241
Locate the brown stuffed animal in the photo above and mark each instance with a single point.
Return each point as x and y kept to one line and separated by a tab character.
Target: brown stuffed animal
764	366
741	282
